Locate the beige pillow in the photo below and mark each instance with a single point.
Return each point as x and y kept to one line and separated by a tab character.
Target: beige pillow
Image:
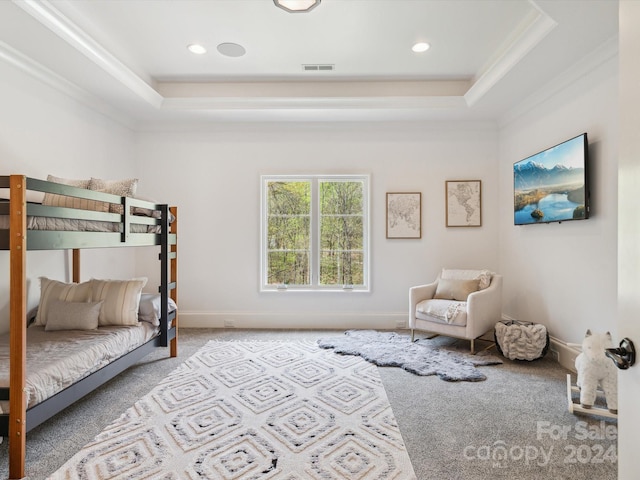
52	290
483	276
123	188
54	200
455	289
72	315
120	300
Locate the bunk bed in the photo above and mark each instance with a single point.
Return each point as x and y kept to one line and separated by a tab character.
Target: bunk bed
27	226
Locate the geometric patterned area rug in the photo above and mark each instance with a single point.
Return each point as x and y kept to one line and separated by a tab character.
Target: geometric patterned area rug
422	357
254	410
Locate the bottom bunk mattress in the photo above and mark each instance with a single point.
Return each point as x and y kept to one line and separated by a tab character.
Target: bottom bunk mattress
58	359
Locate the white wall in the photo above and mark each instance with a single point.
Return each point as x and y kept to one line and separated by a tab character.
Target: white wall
44	132
564	275
216	174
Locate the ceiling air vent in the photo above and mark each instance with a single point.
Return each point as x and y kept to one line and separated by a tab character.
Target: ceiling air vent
318	68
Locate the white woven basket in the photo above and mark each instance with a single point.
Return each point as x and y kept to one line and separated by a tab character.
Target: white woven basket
518	340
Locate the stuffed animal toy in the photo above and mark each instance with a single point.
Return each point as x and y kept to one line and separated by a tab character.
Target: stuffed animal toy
594	368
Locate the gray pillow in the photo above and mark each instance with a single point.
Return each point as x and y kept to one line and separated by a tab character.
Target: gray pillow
51	290
72	315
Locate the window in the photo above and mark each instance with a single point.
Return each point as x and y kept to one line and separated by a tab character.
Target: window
315	232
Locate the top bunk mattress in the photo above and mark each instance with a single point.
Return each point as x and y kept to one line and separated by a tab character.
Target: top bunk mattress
78	225
58	359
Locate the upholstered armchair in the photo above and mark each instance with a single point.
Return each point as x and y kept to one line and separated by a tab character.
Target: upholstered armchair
459	303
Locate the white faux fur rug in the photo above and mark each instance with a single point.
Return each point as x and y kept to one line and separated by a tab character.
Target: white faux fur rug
422	357
254	410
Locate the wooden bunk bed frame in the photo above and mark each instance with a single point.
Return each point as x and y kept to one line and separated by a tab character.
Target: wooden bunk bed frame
18	240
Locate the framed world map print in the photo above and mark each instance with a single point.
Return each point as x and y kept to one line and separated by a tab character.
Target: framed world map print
463	203
404	216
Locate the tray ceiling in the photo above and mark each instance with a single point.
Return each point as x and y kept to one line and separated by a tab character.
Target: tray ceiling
130	58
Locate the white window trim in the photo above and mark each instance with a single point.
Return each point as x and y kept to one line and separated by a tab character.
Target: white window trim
315	253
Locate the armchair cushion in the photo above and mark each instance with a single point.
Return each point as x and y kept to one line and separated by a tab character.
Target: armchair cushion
442	311
455	289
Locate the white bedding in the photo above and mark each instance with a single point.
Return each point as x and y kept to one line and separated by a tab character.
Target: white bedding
58	359
75	225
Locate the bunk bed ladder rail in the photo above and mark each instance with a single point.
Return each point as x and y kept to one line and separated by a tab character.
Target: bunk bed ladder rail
17	325
168	282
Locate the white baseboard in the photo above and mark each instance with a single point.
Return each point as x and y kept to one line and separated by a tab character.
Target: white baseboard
564	354
295	321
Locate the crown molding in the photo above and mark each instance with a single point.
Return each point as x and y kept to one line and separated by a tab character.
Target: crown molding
48	77
536	28
579	70
50	17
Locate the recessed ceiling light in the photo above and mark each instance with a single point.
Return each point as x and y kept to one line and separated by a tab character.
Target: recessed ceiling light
420	47
197	49
231	49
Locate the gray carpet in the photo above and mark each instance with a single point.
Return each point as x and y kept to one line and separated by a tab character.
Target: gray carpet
514	425
422	357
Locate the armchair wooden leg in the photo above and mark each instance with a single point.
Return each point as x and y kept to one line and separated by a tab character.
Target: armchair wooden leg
413	333
473	351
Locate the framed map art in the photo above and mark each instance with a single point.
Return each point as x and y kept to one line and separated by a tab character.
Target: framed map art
404	216
463	203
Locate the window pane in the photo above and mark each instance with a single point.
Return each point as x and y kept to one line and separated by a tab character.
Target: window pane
341	198
341	233
289	198
288	268
341	268
288	233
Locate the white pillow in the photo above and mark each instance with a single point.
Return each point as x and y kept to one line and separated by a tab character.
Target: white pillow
483	276
149	310
32	195
121	299
51	290
72	315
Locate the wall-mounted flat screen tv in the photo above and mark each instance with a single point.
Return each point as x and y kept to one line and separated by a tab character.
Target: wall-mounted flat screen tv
553	185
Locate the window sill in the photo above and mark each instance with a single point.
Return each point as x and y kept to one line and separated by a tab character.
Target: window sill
315	290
